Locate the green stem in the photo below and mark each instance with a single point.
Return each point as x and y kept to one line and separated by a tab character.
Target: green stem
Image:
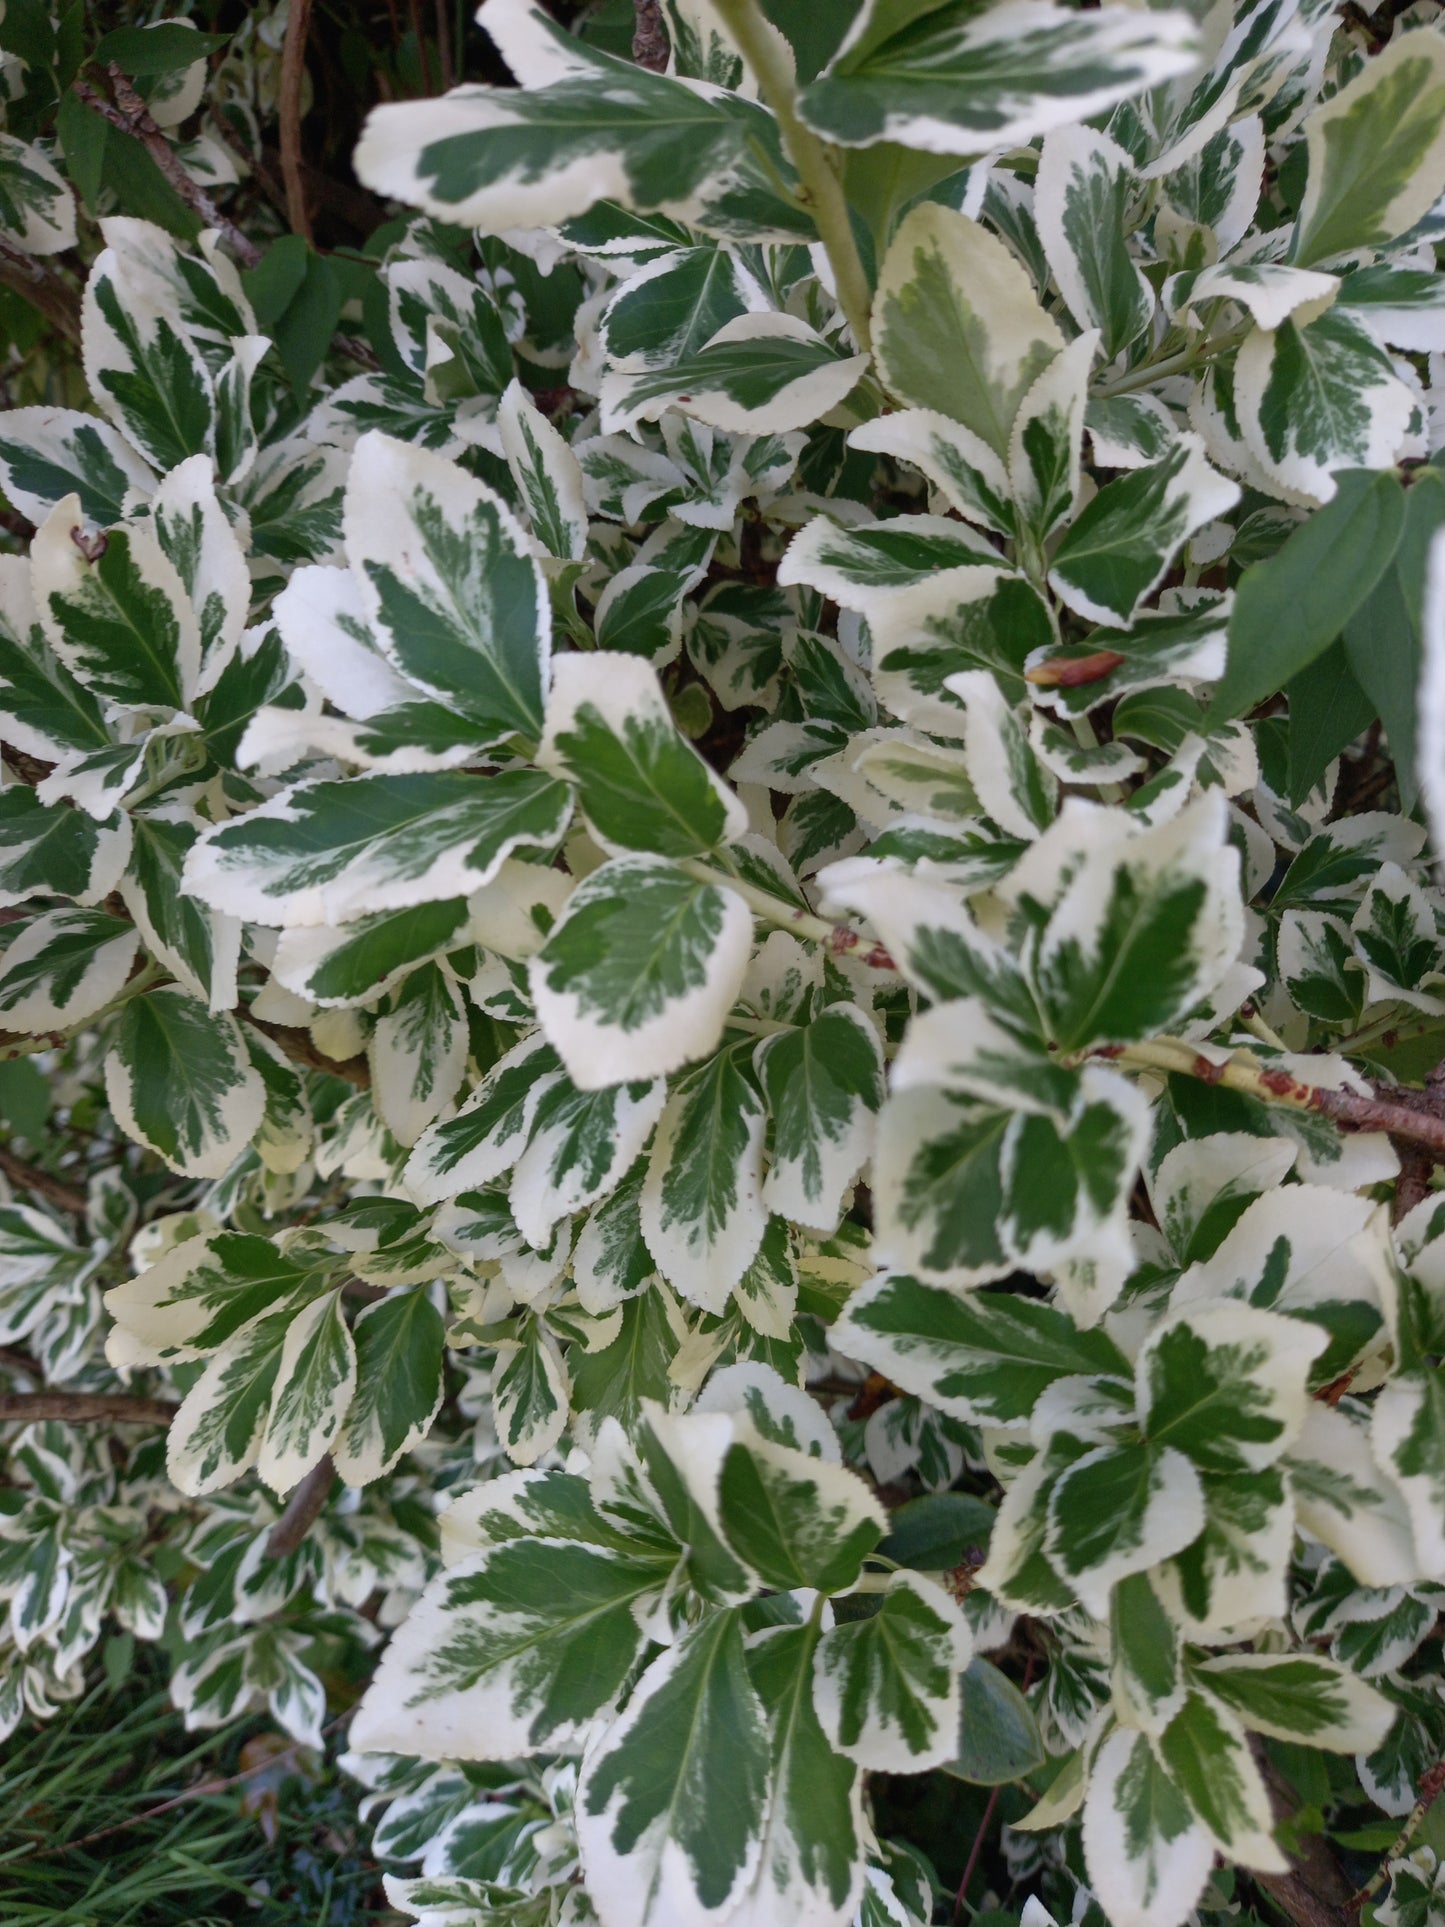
21	1046
1380	1027
1087	738
764	50
840	938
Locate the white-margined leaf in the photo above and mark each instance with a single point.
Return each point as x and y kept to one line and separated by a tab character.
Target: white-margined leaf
584	127
985	1357
886	1688
1167	900
950	80
546	473
517	1648
37	214
811	1865
204	1289
62	968
1121	546
58	850
199	945
759	374
1376	152
580	1144
144	370
957	326
491	1130
702	1214
450	585
639	781
198	540
638	975
122	623
216	1435
315	1378
1118	1510
1316	398
332	852
180	1081
824	1084
1081	199
653	1852
1148	1856
1206	1752
49	453
797	1519
359	961
530	1394
418	1053
1300	1697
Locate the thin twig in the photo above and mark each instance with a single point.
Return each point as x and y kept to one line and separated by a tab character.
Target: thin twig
131	115
1432	1785
423	52
85	1408
293	72
303	1509
206	1790
444	46
43	288
299	1047
973	1855
54	1190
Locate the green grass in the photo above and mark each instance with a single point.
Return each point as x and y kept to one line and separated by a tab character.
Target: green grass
107	1763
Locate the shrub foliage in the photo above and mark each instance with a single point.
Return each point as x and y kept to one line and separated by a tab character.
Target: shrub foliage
718	863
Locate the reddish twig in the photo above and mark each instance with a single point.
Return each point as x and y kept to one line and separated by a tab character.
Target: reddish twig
973	1855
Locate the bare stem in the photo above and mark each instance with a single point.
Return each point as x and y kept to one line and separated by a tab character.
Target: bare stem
764	50
303	1509
85	1408
131	115
43	288
840	939
54	1190
293	72
1243	1072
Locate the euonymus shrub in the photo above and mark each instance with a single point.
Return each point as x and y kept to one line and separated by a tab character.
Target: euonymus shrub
778	868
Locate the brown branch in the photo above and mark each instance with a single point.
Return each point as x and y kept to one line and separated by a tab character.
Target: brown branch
1314	1892
293	72
131	115
85	1408
43	288
444	46
300	1048
54	1190
1431	1786
649	42
303	1509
